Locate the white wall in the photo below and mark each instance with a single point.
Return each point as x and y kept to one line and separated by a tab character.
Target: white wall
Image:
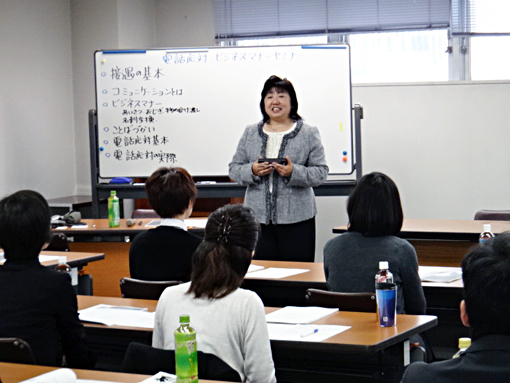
36	100
187	23
444	144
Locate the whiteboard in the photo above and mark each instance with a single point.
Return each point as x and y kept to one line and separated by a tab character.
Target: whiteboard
188	107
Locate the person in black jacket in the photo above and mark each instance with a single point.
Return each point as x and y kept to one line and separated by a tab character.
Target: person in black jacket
486	310
37	303
164	253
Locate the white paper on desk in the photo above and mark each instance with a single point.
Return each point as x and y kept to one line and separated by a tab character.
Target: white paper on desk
93	381
196	223
276	273
46	258
440	274
79	227
444	276
278	331
253	268
154	223
62	375
299	315
118	315
161	377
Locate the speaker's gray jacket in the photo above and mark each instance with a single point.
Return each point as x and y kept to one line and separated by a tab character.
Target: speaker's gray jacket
292	199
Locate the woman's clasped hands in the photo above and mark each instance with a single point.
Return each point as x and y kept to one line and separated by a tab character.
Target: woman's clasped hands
262	169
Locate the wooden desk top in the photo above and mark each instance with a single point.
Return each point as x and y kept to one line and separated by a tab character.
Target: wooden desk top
316	273
364	336
14	373
99	227
74	259
447	229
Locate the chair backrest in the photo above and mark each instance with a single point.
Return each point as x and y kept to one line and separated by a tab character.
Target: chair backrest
143	359
144	213
16	350
58	242
492	215
362	302
141	289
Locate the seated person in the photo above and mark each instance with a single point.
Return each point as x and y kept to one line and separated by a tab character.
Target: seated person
351	260
37	303
486	310
229	321
164	253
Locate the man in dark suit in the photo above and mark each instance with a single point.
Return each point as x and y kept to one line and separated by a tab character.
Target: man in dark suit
486	310
37	303
164	253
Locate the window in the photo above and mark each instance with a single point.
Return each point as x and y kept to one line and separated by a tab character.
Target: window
399	56
490	58
391	40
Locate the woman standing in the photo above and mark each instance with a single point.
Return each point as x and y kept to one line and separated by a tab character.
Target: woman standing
280	192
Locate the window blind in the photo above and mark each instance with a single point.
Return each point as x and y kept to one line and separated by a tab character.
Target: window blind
480	17
259	18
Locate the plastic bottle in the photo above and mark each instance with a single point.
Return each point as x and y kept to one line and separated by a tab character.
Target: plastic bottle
186	367
113	210
383	275
464	343
62	266
486	234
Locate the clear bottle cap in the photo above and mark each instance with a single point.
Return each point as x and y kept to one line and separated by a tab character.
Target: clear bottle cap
487	227
464	342
184	319
383	265
62	260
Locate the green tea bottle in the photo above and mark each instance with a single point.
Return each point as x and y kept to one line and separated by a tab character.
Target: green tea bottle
186	367
113	210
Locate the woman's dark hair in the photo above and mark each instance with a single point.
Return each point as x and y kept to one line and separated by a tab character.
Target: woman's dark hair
275	82
374	206
24	224
486	277
170	190
221	261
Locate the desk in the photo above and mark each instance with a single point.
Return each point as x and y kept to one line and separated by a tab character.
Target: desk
77	260
442	242
14	373
74	259
443	299
115	243
366	352
98	230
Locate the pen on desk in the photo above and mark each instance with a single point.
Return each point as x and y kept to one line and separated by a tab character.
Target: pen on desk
139	223
308	333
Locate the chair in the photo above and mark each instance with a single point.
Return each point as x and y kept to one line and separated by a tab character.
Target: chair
361	302
492	215
140	289
58	242
143	359
16	350
144	213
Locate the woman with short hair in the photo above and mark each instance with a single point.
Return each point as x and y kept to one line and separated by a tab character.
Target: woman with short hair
229	321
351	260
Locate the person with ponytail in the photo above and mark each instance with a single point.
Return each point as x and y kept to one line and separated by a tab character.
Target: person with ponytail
229	321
